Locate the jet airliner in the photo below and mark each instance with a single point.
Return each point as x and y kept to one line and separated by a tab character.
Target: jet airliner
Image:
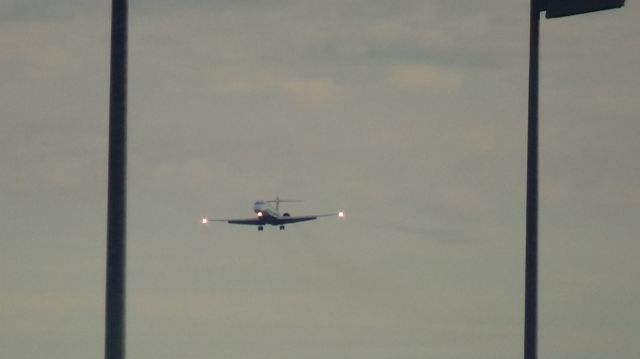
266	214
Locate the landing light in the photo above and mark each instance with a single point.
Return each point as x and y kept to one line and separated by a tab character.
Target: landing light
205	221
340	214
259	214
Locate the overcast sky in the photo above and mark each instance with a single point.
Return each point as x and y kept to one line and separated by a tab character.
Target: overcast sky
409	115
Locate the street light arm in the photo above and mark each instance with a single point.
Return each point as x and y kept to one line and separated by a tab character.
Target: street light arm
562	8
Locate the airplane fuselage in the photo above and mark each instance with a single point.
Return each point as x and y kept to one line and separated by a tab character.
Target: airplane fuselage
266	214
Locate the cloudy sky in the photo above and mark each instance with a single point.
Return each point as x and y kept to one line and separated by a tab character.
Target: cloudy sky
409	115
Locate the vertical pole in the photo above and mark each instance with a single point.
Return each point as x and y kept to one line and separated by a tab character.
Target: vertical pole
116	201
531	261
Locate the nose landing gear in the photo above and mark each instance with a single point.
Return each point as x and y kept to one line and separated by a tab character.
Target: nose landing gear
282	227
260	228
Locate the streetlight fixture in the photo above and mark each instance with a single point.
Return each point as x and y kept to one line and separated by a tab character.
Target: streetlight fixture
553	9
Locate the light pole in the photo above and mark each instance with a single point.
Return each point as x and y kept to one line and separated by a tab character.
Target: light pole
117	191
553	8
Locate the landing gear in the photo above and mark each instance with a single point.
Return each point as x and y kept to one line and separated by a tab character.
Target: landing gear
260	228
282	227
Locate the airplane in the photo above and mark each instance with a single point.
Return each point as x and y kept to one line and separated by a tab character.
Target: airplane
266	214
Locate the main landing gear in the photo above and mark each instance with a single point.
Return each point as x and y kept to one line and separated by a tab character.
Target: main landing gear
261	228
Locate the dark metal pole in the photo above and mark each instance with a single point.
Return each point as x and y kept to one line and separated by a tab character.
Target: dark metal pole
117	195
531	261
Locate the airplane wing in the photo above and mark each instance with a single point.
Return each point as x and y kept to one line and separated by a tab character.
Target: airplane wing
285	220
281	220
250	221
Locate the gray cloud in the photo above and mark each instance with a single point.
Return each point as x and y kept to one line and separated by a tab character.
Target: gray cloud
410	115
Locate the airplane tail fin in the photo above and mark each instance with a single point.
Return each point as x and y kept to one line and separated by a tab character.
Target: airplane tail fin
277	201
